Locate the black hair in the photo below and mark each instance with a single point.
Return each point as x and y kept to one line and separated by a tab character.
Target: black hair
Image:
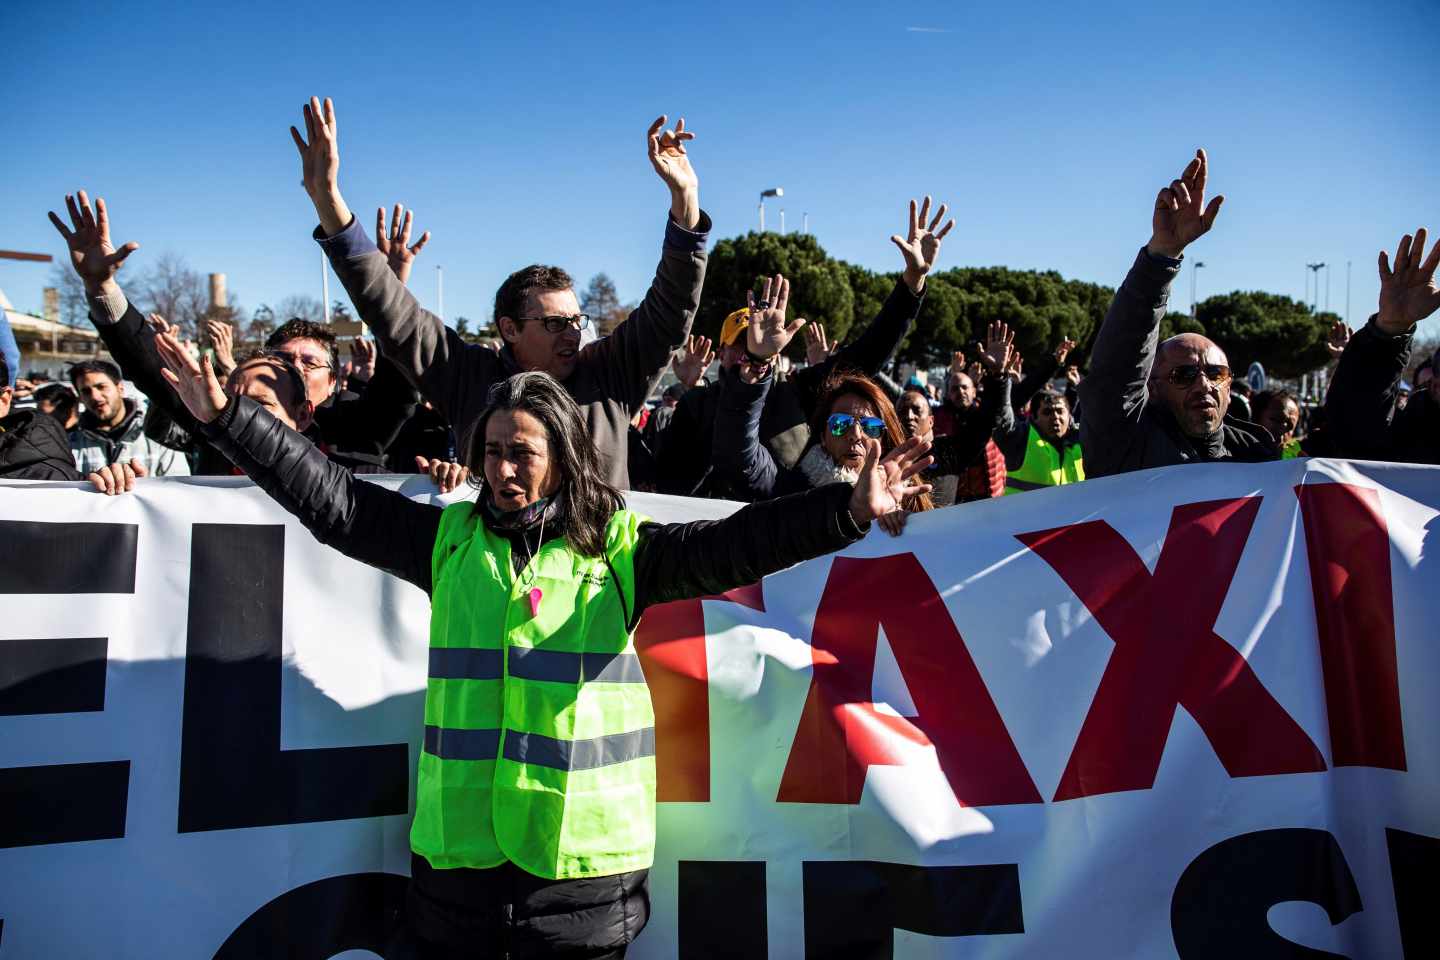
95	366
297	329
66	403
510	298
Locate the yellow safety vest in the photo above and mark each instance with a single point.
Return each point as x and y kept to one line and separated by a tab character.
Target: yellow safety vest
1045	466
539	732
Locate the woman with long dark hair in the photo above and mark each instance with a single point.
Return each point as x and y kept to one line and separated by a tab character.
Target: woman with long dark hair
535	806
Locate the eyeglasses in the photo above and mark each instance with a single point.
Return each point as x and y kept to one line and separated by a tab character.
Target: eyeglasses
556	324
1187	373
839	424
301	360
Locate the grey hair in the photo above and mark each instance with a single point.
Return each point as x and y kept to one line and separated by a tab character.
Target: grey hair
585	500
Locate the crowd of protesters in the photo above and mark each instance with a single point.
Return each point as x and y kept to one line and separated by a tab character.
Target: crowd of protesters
552	422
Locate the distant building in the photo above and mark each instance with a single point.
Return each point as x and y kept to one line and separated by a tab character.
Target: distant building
48	346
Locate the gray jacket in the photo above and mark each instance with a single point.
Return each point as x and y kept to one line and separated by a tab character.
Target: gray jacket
612	376
1122	430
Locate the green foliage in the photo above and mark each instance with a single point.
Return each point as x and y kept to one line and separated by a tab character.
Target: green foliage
1041	307
1281	333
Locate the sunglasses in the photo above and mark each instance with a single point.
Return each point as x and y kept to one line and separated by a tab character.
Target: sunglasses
839	424
1187	373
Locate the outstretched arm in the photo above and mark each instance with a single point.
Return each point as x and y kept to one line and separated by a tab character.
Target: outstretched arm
681	560
1360	405
630	361
1115	389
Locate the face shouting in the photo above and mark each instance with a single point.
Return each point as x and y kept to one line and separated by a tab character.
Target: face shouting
103	397
848	451
518	470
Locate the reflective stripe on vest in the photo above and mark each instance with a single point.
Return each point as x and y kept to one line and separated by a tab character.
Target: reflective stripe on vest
539	733
1045	465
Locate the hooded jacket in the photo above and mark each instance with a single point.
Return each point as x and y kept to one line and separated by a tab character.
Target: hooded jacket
33	446
94	446
1123	429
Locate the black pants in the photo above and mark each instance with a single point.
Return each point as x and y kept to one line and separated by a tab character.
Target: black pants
504	912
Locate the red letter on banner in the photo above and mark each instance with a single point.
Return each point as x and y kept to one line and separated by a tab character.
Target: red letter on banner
841	734
670	640
1349	549
1167	653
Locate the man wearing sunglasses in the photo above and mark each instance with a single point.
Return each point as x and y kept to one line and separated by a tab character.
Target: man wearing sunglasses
536	310
1148	406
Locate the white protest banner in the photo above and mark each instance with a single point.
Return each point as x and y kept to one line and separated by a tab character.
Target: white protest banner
1189	713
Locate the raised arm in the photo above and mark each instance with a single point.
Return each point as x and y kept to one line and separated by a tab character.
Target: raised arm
371	524
920	249
1360	405
737	455
450	373
956	452
1115	389
630	361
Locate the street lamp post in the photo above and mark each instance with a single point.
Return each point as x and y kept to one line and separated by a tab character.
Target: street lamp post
440	292
772	192
1315	269
1193	272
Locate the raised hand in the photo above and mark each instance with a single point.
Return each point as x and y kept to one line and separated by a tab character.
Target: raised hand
116	478
95	259
817	346
320	165
1015	369
672	163
447	475
997	349
1072	374
957	362
1408	293
921	245
362	358
1181	214
1337	338
691	363
1063	351
395	243
768	333
195	383
160	325
222	336
884	483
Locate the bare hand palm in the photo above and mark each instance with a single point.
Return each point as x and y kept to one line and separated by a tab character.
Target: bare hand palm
1408	293
1181	214
93	256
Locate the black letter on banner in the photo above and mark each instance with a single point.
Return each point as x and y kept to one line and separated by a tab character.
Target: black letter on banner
1220	905
852	908
232	771
68	557
1414	862
357	911
722	909
71	802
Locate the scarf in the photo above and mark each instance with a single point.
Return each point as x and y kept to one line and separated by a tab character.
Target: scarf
820	470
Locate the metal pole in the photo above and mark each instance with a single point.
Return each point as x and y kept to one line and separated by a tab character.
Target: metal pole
1327	288
805	223
440	291
762	215
325	287
782	219
1347	293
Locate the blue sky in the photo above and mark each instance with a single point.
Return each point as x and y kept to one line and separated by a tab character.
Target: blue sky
516	131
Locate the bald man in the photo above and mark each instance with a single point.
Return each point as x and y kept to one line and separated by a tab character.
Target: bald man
1148	405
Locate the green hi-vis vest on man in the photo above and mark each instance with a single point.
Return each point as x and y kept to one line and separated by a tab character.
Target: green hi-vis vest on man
1045	466
539	733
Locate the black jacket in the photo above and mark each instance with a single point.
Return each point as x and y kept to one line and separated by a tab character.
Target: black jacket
34	446
1363	422
1122	430
685	466
355	431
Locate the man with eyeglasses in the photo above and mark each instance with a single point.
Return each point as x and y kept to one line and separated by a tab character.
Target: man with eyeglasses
536	310
1148	406
354	431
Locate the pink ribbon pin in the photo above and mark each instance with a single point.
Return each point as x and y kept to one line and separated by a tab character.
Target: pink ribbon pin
535	596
